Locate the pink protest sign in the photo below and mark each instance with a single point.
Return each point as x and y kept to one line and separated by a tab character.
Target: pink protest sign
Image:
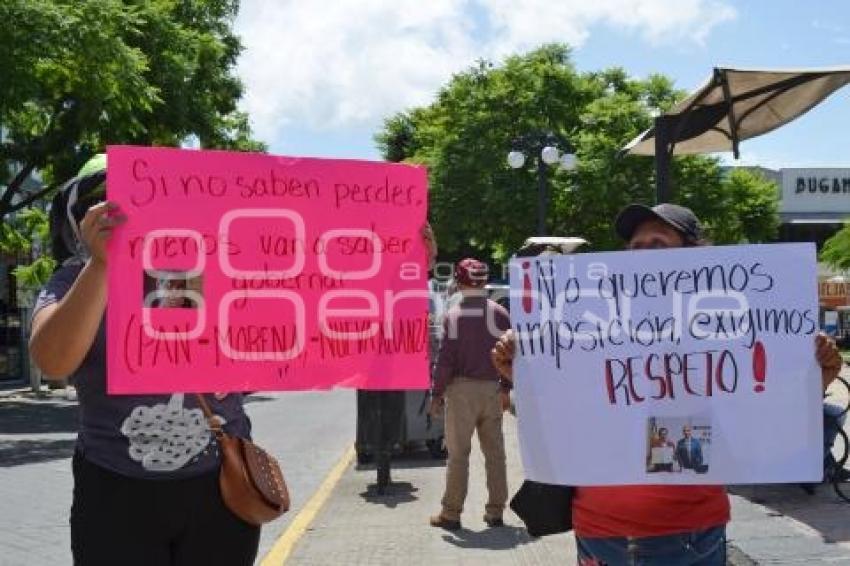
251	272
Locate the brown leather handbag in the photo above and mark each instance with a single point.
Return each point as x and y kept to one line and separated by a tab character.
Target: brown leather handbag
252	484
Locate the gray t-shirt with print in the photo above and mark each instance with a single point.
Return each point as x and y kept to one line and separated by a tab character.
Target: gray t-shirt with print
141	436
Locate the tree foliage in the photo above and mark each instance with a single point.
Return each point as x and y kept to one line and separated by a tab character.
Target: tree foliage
836	250
749	209
481	206
80	74
24	235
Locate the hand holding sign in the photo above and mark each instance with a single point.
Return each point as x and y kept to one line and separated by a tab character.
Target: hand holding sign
97	226
828	357
503	355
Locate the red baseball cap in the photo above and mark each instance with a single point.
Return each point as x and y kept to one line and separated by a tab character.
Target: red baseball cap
471	272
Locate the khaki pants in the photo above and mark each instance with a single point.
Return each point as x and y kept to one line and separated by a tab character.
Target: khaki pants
473	404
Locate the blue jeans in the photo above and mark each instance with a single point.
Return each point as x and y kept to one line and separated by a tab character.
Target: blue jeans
696	548
833	419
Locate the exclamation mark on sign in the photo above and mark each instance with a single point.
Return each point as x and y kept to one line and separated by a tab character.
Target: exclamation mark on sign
759	366
526	288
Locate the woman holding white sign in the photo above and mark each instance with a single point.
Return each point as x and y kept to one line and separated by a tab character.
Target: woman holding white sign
146	467
659	524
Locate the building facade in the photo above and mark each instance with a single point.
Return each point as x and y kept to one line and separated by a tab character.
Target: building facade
814	203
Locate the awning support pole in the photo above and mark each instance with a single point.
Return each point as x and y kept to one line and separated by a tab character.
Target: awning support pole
662	159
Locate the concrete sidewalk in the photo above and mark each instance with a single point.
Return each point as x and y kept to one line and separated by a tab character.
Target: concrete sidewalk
770	524
775	524
782	524
357	526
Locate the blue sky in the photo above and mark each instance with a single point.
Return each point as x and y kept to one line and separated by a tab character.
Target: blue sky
320	77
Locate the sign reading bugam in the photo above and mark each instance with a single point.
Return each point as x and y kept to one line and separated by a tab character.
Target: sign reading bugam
823	185
816	190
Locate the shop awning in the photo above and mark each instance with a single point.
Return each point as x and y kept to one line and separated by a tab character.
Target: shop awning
738	104
812	218
733	105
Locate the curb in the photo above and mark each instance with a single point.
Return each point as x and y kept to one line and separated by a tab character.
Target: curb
736	557
45	395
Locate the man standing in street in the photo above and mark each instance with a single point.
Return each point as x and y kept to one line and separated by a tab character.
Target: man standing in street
474	397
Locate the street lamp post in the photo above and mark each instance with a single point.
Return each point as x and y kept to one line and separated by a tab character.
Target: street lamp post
546	148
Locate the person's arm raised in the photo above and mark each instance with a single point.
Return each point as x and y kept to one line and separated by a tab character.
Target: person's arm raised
63	332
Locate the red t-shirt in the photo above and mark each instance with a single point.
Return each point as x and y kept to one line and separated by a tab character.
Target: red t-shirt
648	510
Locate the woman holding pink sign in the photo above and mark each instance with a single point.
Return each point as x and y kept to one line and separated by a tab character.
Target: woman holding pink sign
145	467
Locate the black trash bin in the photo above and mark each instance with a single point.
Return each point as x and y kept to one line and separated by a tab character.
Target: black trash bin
380	418
420	428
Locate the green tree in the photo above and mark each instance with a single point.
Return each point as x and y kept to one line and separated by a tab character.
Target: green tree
836	250
80	74
748	209
481	206
24	235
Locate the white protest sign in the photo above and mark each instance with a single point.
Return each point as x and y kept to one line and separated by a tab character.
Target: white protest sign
685	366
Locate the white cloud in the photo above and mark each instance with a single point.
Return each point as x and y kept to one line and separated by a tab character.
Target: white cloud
750	159
772	158
349	63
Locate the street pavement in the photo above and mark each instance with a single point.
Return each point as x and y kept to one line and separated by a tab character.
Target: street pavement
36	444
310	433
773	524
358	526
783	524
307	432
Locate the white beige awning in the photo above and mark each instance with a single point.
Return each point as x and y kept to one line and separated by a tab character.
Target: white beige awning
738	104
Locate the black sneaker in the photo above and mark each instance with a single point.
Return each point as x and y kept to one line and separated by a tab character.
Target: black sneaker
494	521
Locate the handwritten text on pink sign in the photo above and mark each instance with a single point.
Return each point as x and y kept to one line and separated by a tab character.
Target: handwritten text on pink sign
249	272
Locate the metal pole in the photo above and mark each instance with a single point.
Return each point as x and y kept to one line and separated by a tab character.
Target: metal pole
541	190
662	159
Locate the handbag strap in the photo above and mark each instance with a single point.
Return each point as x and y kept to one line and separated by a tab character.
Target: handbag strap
213	421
